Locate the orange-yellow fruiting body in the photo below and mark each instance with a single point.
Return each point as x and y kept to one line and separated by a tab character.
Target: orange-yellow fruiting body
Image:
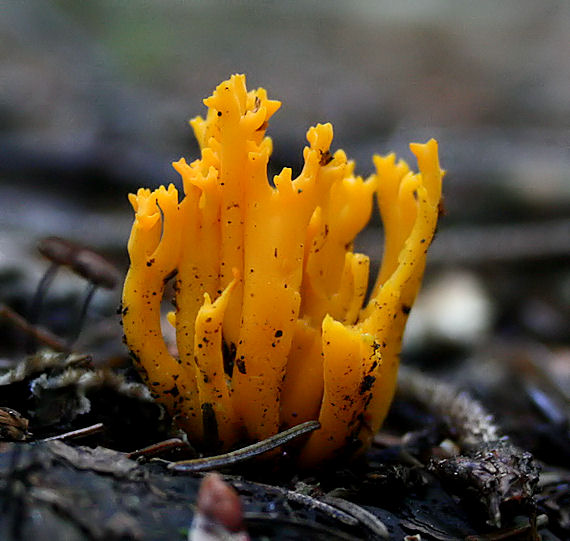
270	325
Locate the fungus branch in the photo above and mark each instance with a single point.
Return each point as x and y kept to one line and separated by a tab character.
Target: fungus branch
270	327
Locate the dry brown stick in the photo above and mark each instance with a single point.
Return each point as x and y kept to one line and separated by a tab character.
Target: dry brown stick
41	335
79	433
473	424
365	517
245	453
157	448
82	260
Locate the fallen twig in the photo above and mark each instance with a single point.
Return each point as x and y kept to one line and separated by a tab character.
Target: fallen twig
41	335
245	453
79	433
371	521
158	448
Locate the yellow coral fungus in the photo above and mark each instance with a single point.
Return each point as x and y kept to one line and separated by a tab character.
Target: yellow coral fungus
270	324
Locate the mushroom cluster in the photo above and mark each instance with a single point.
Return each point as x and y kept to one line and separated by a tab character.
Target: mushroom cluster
272	323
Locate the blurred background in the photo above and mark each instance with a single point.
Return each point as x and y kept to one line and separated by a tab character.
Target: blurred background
95	99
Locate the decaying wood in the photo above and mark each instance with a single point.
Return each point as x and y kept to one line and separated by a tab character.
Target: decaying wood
99	493
491	469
